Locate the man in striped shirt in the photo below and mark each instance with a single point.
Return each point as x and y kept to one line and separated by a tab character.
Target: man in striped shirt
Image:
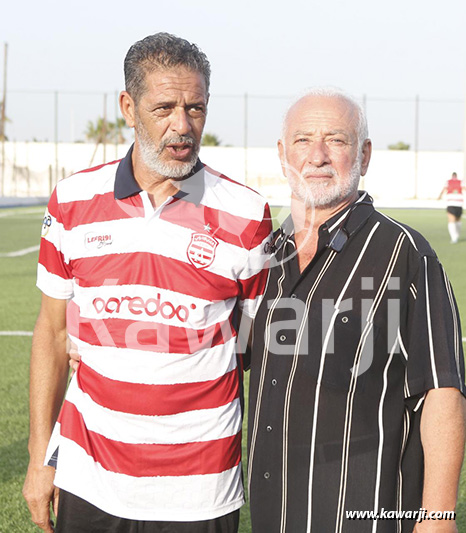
146	263
357	376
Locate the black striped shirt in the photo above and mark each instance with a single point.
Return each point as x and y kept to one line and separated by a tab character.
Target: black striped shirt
343	354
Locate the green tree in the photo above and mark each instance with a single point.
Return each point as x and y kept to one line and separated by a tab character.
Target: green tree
98	131
210	139
399	146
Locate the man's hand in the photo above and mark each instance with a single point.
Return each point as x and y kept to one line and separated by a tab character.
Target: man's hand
39	492
74	357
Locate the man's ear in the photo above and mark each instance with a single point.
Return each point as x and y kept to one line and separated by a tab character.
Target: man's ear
366	156
281	155
128	108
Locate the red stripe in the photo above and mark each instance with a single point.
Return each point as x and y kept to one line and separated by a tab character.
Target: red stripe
232	229
101	208
153	271
147	336
150	460
52	206
264	230
98	167
254	286
157	400
53	260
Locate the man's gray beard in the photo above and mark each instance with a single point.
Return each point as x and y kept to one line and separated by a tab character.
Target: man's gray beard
328	194
152	160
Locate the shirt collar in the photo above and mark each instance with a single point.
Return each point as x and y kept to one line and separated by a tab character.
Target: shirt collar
349	220
191	188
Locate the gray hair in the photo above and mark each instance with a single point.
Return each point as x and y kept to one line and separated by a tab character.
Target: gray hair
161	51
334	92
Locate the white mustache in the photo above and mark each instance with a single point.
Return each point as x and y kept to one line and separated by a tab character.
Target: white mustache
321	171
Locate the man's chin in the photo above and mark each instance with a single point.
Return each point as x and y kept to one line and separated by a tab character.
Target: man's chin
176	170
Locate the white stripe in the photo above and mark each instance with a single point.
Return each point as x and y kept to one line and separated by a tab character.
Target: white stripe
381	435
321	370
53	285
289	387
19	253
402	346
410	237
192	426
345	214
354	377
232	198
419	403
167	307
455	324
166	498
265	356
125	240
429	328
15	333
406	429
87	185
140	366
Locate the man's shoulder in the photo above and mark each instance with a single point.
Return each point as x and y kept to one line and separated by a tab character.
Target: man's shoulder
85	184
417	243
232	196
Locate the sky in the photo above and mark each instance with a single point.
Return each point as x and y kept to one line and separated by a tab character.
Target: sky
390	52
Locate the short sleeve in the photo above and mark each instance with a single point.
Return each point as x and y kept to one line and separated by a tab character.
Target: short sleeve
54	276
253	277
432	339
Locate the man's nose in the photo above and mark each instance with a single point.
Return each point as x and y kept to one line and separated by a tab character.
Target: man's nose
318	153
180	122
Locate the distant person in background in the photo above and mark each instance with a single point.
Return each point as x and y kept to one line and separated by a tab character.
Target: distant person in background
453	191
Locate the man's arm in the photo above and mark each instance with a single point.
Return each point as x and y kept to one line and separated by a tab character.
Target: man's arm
442	437
48	380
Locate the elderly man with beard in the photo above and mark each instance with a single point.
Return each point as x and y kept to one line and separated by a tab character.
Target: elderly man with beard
146	263
357	376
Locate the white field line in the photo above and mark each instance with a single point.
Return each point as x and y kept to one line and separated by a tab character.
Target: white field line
15	333
24	251
22	212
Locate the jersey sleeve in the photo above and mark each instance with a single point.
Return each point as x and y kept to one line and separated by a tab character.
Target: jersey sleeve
253	278
432	339
54	277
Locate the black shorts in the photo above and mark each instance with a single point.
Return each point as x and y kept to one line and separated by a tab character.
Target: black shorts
455	211
76	515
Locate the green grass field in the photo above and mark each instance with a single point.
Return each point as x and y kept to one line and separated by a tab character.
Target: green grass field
20	229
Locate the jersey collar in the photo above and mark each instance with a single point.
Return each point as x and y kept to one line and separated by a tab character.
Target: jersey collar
191	189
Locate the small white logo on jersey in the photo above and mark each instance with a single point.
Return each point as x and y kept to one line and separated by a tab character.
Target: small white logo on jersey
94	241
201	250
46	223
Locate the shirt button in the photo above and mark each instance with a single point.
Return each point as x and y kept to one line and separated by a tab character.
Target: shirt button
283	338
269	428
293	296
266	475
274	382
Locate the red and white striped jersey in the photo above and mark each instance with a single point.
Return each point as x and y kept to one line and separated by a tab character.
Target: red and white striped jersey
151	424
454	196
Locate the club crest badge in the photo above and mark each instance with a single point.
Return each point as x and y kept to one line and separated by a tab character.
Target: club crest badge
201	250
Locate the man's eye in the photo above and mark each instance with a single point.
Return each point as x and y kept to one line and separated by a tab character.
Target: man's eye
302	140
336	141
196	110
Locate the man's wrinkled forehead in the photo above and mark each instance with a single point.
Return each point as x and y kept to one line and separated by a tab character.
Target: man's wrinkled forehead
321	114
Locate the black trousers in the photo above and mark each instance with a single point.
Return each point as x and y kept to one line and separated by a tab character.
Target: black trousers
76	515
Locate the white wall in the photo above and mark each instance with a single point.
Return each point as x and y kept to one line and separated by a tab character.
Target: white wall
390	179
